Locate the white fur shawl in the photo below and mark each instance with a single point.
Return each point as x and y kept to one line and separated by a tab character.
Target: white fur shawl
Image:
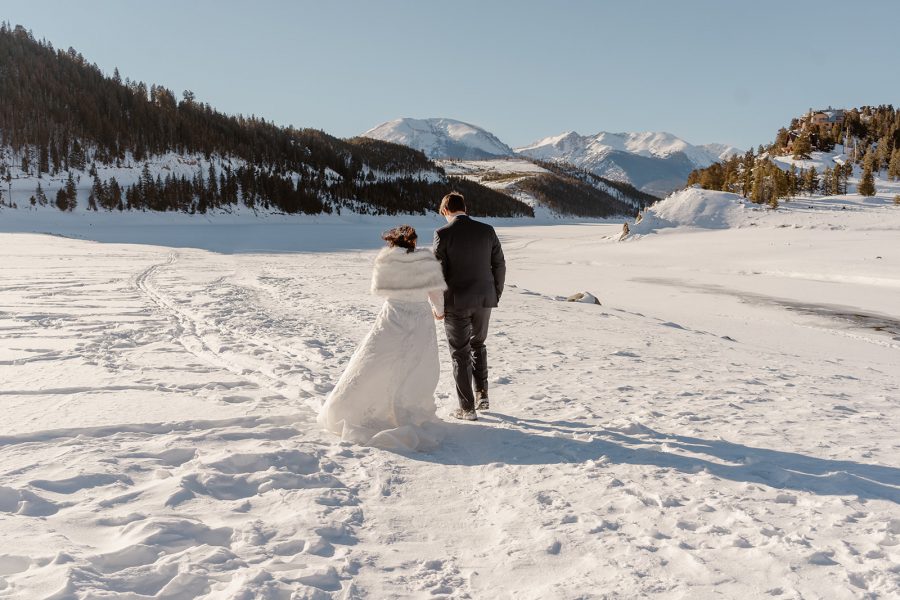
406	275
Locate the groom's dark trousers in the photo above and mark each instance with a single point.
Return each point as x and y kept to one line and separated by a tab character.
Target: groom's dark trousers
475	270
466	331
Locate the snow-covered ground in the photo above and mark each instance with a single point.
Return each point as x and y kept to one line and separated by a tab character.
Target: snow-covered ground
723	426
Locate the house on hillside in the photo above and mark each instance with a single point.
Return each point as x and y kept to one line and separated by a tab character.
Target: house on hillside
828	116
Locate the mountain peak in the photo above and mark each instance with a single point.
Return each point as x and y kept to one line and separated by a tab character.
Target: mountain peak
567	139
441	138
654	161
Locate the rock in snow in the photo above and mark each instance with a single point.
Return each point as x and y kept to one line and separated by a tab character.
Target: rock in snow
583	297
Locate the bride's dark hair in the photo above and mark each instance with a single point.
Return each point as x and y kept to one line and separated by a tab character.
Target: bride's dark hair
401	237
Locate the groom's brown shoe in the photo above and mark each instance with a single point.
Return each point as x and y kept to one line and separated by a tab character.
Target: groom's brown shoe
483	404
465	415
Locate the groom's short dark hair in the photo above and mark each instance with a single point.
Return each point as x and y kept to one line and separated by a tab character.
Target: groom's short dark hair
453	202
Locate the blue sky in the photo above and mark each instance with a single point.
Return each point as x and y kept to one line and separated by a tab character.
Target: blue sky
706	70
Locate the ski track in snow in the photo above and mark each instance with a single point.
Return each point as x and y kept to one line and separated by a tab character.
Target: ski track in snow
161	442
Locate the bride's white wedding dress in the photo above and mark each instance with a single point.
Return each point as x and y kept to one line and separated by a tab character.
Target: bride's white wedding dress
385	397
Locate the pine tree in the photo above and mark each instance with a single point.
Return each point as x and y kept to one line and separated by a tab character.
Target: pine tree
866	185
801	146
40	196
747	173
847	172
836	180
711	178
756	188
811	181
71	193
825	183
782	183
793	182
894	165
76	158
115	194
781	140
883	154
212	184
96	196
43	160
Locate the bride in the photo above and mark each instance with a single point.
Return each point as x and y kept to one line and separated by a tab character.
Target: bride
385	397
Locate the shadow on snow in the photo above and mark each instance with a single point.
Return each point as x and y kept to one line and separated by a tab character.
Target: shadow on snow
518	441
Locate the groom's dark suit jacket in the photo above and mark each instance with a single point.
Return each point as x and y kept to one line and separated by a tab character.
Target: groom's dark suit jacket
474	268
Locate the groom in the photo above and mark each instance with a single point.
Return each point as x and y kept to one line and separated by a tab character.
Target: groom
474	269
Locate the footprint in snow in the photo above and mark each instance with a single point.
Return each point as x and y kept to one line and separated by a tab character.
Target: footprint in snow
822	559
236	399
79	482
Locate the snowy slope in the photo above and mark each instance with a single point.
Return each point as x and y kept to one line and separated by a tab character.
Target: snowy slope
441	138
656	162
819	160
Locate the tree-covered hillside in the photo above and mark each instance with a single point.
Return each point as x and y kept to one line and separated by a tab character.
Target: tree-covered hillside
587	194
869	136
62	119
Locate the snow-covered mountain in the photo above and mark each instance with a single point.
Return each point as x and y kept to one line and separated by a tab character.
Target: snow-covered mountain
721	151
651	144
652	161
441	138
656	162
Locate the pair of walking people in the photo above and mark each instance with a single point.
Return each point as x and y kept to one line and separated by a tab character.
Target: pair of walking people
385	396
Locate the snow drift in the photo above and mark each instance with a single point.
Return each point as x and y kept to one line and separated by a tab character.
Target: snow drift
694	207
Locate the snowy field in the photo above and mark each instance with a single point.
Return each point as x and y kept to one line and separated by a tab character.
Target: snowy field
723	426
